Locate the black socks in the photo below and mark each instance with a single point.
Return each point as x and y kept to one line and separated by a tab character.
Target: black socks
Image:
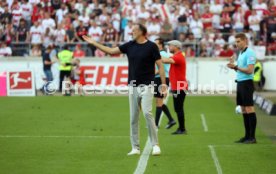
250	122
158	112
253	124
167	112
157	115
246	125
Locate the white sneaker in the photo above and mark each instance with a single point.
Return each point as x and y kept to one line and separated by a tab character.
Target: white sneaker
134	152
156	150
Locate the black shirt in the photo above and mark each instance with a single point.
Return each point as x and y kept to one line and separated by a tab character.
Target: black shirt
22	33
56	4
46	57
141	60
81	30
230	5
70	33
271	27
6	18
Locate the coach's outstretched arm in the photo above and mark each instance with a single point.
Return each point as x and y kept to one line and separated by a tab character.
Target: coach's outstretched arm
103	48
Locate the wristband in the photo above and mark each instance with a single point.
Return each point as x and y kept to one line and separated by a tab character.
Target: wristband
236	68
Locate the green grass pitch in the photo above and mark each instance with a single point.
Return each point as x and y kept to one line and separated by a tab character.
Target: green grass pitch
87	135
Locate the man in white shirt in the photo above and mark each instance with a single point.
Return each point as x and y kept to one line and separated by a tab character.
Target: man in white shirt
2	10
84	19
196	26
16	15
34	2
260	6
216	9
36	32
59	35
154	30
254	23
231	38
48	22
61	12
79	6
128	31
219	40
9	2
27	10
116	18
5	50
95	31
104	16
143	14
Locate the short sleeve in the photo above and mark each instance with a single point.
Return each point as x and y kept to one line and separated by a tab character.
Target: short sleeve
251	58
177	59
155	53
164	54
123	48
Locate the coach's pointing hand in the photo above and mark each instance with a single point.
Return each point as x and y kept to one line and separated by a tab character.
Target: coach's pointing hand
88	39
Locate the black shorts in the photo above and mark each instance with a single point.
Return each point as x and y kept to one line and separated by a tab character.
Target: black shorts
157	82
245	90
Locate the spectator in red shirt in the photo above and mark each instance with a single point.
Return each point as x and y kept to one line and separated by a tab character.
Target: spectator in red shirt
78	53
246	16
36	15
207	18
226	51
178	82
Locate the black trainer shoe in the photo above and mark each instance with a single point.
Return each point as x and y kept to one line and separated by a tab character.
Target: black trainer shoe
250	141
242	140
170	124
179	132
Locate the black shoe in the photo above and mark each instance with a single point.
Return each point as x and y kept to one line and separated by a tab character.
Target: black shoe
170	124
250	141
242	140
179	132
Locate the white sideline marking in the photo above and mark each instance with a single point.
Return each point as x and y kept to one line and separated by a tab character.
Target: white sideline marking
143	161
204	124
215	159
58	136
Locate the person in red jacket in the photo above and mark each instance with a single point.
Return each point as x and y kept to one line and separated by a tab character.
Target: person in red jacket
78	53
78	78
226	52
178	82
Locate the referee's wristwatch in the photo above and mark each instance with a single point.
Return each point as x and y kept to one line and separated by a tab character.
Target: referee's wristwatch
236	68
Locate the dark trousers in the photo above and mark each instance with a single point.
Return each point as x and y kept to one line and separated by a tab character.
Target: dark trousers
178	102
63	74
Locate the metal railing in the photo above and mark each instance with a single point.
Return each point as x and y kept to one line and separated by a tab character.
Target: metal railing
24	49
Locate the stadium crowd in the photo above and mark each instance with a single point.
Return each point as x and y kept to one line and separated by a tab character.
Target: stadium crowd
206	27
